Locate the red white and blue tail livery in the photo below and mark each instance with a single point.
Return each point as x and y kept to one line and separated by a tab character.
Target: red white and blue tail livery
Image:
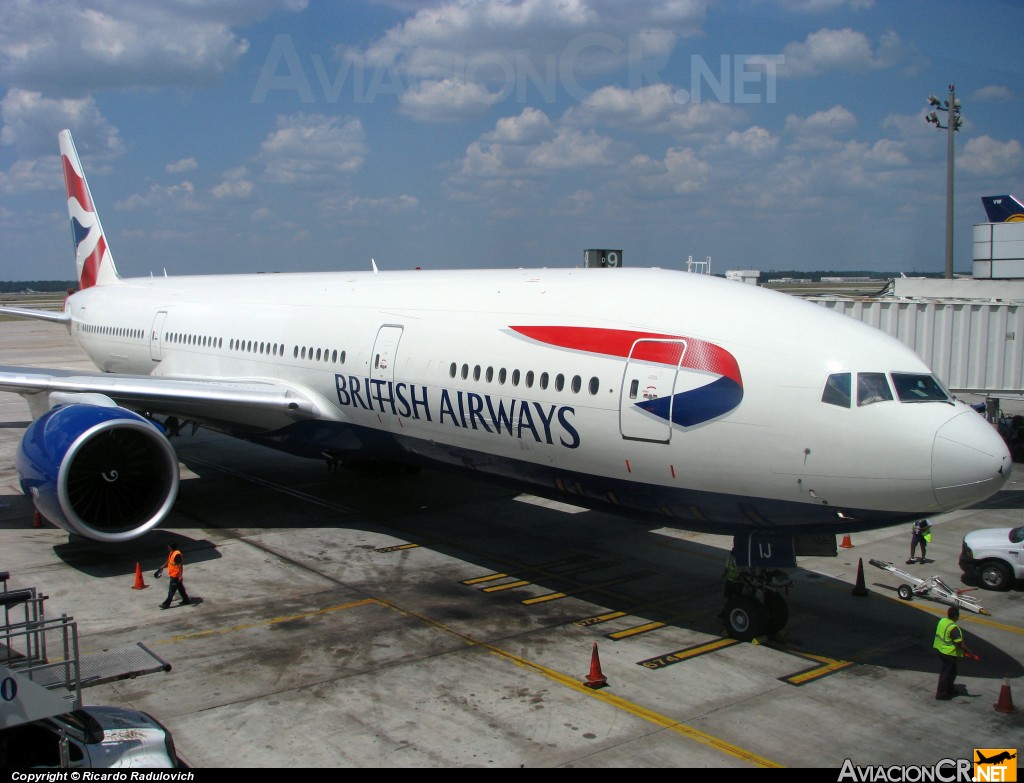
92	255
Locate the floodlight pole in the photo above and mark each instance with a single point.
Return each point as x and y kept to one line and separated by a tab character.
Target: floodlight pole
953	123
950	129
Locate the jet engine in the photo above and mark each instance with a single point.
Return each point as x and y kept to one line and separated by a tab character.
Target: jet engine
99	471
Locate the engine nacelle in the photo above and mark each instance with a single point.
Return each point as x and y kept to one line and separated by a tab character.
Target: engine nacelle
101	472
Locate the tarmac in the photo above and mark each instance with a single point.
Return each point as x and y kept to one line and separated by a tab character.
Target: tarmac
356	619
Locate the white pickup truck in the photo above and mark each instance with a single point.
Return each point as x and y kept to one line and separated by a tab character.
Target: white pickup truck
994	557
96	738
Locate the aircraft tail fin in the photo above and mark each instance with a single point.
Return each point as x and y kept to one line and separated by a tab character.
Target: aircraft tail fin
95	264
1003	209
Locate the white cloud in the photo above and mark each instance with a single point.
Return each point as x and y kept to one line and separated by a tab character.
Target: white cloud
570	149
985	156
29	120
886	153
181	166
754	141
163	198
364	207
993	92
521	49
313	148
644	107
822	124
233	189
680	172
654	109
446	100
29	175
69	48
828	50
525	128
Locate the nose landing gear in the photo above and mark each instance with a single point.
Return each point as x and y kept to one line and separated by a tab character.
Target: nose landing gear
760	609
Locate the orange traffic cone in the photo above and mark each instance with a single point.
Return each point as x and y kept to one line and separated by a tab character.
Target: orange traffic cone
595	679
139	583
860	589
847	543
1005	703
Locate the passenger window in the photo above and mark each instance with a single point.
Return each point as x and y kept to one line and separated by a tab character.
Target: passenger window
837	390
872	387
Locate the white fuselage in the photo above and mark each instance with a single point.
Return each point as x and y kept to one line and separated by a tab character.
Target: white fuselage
521	374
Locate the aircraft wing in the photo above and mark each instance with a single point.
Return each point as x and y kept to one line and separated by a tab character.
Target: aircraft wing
259	404
39	315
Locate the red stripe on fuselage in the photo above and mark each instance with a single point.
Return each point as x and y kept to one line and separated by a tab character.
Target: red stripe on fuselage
700	354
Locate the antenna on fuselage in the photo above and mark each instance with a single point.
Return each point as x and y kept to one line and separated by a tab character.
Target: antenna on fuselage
374	265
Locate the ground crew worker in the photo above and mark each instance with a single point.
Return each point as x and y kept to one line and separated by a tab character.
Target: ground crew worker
949	641
921	535
176	573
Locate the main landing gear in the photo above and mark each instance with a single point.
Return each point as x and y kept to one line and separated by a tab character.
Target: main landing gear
760	608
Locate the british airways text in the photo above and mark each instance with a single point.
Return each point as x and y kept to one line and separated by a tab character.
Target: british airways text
516	418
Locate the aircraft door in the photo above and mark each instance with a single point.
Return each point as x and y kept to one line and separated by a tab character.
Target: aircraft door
385	353
155	336
651	372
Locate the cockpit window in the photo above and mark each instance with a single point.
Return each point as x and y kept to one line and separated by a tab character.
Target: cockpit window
872	387
911	387
837	390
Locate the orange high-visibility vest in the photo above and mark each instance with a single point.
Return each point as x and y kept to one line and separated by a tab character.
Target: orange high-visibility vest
174	569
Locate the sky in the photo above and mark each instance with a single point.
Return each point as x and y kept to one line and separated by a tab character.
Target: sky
223	136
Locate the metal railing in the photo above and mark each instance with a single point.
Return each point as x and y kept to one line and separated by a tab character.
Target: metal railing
27	639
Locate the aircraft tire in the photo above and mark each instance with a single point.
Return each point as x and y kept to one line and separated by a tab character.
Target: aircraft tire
745	618
777	611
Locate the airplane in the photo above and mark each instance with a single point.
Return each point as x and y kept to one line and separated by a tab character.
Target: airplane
687	400
1003	209
996	759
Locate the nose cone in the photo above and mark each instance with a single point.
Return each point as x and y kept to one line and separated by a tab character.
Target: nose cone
970	461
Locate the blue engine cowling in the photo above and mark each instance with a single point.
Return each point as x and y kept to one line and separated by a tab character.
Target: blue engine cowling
105	473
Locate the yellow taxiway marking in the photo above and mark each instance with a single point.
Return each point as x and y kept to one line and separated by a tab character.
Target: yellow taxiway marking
641	712
828	666
482	579
563	679
506	586
542	598
396	548
636	629
679	656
